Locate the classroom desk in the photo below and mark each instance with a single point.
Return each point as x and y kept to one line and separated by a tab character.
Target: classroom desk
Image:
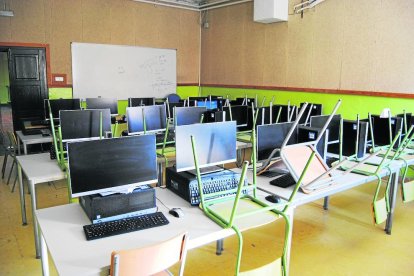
38	168
30	140
343	183
62	235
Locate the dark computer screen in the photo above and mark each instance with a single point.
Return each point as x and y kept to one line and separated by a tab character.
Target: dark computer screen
215	144
208	104
349	139
103	103
188	102
270	137
135	119
140	101
309	134
188	115
111	165
60	104
284	113
170	108
333	127
381	129
238	114
316	111
410	121
243	101
84	124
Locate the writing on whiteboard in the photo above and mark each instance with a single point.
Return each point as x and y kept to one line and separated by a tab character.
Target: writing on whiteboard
155	69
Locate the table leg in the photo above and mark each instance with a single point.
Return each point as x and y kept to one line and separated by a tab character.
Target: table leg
392	199
44	256
219	247
18	144
290	214
160	174
35	226
326	203
21	193
25	148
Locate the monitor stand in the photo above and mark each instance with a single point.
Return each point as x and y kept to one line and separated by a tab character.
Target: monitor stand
207	170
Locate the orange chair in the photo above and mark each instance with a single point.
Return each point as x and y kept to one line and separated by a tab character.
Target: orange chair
150	260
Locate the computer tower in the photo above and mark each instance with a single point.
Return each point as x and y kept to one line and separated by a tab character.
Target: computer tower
117	206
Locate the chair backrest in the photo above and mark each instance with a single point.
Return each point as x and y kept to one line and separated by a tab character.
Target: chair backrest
151	259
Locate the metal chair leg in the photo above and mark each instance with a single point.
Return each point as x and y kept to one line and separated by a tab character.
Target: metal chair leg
14	184
11	170
4	165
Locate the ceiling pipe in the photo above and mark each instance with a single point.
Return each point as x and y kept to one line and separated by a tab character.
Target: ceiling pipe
213	3
226	5
166	5
307	5
180	3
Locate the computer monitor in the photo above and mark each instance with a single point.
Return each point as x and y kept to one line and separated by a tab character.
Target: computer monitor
112	165
215	144
238	113
263	116
103	103
333	127
410	121
270	137
58	105
135	119
309	134
188	103
170	108
84	124
349	139
208	104
381	129
140	101
284	113
315	111
244	101
155	118
188	115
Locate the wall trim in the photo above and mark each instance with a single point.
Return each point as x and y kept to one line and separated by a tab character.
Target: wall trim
34	45
187	84
317	90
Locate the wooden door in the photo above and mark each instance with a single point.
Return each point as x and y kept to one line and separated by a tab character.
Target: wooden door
28	87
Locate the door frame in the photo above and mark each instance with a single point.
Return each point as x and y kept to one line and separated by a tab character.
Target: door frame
34	45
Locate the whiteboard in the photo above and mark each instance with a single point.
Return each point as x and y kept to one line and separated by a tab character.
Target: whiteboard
122	72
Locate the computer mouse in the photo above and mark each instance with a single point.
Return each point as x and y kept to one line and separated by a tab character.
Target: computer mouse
176	212
273	198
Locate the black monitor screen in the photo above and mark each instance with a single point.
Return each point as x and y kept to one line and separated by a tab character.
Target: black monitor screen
84	124
60	104
111	165
215	144
140	101
238	114
315	111
382	129
333	127
410	121
170	108
188	115
270	137
284	113
309	134
155	117
135	119
349	139
103	103
244	101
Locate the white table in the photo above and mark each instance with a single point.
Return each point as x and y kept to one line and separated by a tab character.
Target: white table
62	234
30	140
38	168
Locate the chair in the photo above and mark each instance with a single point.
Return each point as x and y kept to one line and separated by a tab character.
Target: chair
152	259
13	154
8	149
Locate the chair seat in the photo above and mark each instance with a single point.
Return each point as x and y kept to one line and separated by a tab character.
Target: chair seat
273	268
223	209
168	152
247	137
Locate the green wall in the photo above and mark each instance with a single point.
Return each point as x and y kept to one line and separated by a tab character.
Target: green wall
4	79
350	107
